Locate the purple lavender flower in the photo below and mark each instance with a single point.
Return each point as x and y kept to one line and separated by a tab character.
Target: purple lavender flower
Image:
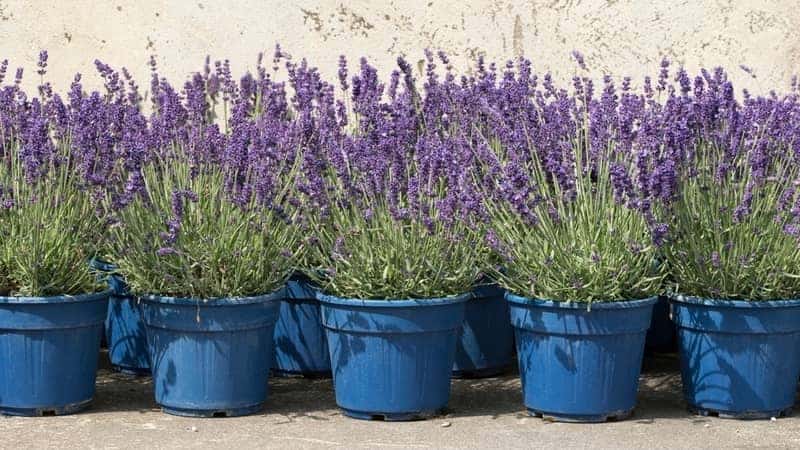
578	56
715	260
42	63
166	251
343	73
3	69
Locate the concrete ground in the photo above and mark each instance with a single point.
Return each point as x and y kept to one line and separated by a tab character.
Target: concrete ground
302	414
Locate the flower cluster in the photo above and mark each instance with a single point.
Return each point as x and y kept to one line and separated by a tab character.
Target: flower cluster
598	197
57	155
735	218
208	208
401	187
183	201
403	213
572	179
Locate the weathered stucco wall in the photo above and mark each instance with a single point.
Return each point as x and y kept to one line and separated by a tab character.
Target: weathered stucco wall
621	37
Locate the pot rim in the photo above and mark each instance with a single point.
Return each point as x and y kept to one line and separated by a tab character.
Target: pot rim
276	295
87	297
723	303
391	303
621	304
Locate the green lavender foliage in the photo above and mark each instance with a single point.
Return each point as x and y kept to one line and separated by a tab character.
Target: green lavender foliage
596	250
384	258
48	235
366	252
713	255
222	250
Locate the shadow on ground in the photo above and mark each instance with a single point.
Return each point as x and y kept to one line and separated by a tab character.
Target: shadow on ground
302	413
659	394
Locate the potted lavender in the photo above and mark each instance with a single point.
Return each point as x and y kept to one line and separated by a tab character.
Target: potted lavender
734	255
210	286
107	127
401	252
205	241
570	215
51	307
485	346
301	347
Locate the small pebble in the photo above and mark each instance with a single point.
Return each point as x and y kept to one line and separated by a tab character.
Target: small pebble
772	419
708	425
193	429
446	424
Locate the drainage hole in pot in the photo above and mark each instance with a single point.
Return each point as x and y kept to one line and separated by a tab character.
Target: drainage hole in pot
380	417
47	412
220	414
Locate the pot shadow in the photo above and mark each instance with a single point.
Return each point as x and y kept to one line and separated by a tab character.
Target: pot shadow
492	397
660	394
346	347
118	392
659	397
297	397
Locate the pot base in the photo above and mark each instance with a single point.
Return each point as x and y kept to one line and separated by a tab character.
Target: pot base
613	416
72	408
213	413
480	373
740	415
392	417
132	371
320	375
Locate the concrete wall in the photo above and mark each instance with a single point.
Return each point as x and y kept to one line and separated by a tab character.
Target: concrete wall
621	37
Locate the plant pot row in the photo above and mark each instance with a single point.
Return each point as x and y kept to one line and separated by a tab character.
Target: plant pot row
393	360
180	335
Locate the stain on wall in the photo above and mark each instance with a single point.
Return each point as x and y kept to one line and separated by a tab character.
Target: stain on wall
519	37
619	37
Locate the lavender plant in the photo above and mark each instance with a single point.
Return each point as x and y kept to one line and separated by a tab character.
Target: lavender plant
570	179
205	212
401	221
399	248
321	122
45	225
184	236
735	217
48	220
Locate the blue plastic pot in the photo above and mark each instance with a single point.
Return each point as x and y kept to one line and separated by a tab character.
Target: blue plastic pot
125	332
126	336
739	359
580	365
486	345
301	347
48	353
210	358
392	359
99	266
661	336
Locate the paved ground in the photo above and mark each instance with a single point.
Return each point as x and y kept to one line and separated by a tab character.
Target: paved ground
302	414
